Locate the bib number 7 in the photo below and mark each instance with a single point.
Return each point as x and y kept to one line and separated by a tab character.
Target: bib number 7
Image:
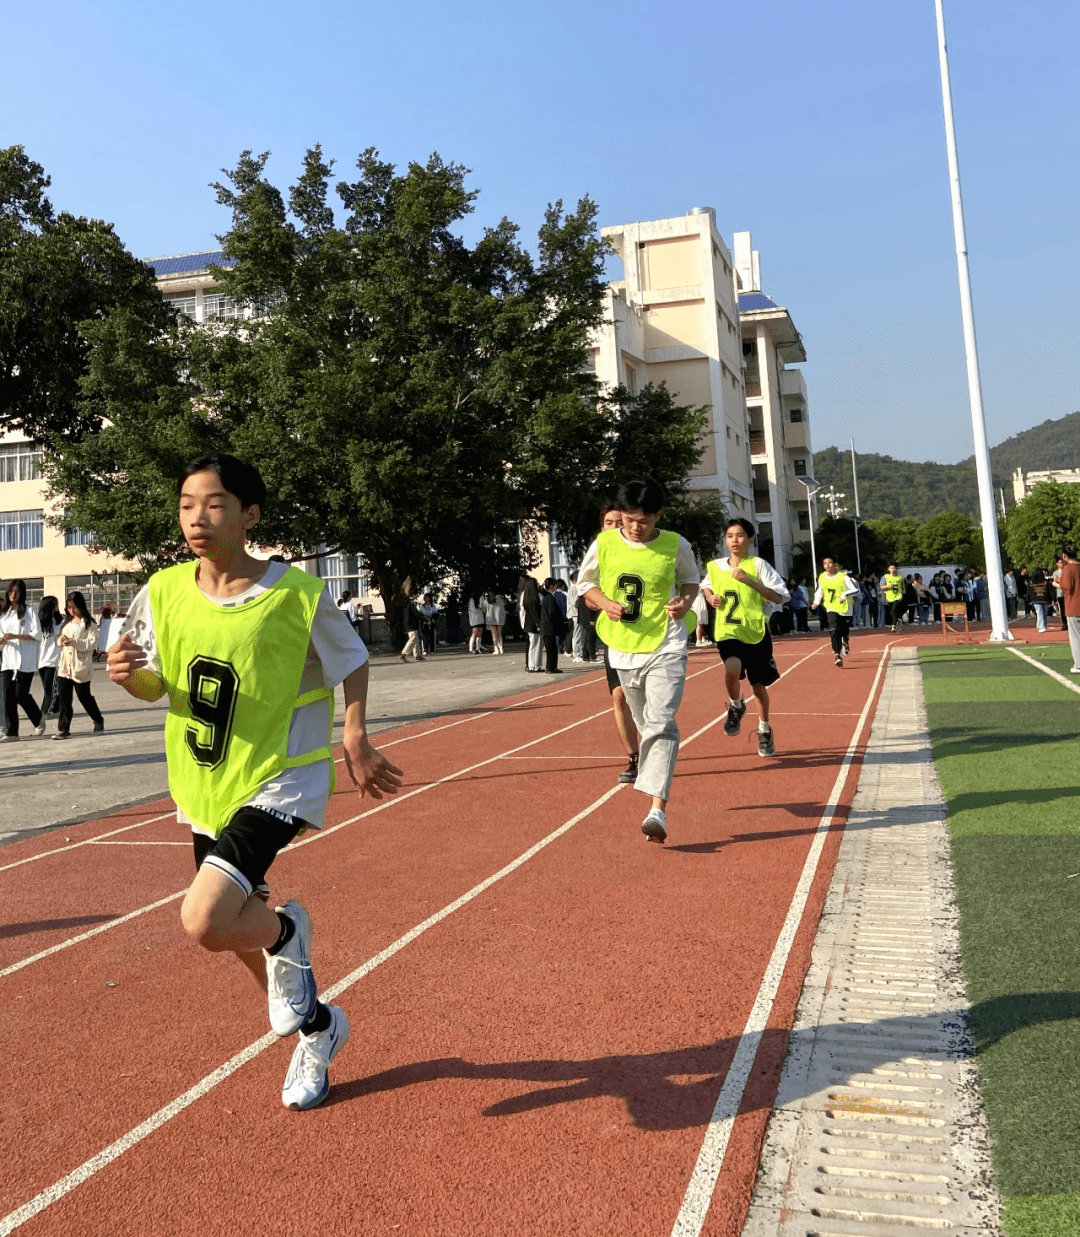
633	588
212	690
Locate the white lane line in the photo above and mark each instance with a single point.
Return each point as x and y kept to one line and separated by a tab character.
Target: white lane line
105	1157
94	1165
85	936
1032	661
97	843
699	1191
59	850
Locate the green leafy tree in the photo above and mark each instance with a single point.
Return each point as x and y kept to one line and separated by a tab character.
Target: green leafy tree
948	538
897	539
56	272
406	396
1037	528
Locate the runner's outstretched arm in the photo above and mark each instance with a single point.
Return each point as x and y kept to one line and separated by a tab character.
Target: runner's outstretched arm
371	773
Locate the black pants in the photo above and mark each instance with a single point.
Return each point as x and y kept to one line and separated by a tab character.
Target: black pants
551	650
17	684
47	674
86	699
588	650
839	626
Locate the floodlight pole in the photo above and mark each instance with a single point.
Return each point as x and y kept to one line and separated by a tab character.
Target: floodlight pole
855	487
995	580
812	488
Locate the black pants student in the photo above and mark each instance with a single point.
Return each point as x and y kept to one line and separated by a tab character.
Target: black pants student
551	650
17	696
47	674
86	699
839	627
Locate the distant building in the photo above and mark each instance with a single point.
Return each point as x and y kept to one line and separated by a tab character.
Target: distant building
1025	482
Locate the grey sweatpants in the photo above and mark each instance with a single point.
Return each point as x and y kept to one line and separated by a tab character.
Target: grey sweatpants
654	692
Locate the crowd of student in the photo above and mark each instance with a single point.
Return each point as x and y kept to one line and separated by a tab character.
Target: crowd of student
56	646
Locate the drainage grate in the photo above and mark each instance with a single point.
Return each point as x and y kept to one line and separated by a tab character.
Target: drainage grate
878	1130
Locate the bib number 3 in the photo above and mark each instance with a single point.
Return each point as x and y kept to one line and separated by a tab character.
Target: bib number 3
212	690
633	588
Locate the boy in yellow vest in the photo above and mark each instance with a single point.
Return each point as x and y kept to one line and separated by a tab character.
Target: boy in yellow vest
644	581
893	587
743	591
249	653
835	590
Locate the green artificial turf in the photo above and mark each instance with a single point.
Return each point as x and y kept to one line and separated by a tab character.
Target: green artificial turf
1005	739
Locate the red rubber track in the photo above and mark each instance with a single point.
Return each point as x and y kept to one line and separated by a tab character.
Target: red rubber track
544	1060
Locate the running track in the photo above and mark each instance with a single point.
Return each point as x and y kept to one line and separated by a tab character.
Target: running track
557	1027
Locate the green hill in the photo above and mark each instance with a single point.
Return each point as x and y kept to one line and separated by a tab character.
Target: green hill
904	488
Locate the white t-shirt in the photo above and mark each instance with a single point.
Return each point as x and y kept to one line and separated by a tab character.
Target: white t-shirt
50	650
687	571
334	653
20	655
766	574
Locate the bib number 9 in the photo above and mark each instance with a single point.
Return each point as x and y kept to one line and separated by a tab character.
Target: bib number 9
212	690
633	588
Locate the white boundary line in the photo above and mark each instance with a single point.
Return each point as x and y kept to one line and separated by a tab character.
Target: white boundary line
89	1168
702	1184
1032	661
59	850
85	936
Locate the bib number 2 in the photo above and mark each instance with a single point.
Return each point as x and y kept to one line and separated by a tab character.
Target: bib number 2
633	588
212	690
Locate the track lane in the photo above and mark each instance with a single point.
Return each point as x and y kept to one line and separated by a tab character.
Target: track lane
539	784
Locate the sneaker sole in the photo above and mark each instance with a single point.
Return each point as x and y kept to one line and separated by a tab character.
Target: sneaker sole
297	1107
730	730
654	831
627	778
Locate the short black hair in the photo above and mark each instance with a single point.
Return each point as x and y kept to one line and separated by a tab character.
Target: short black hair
641	494
237	476
745	525
1068	549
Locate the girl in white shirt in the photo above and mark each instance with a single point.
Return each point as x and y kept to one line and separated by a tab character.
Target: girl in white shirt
50	620
19	636
77	642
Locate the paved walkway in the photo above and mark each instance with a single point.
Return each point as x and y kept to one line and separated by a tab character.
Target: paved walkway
49	784
878	1127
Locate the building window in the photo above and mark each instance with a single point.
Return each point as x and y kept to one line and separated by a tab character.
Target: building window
217	305
729	431
795	415
749	348
77	537
631	380
100	589
182	302
804	521
21	530
738	441
20	461
343	573
800	468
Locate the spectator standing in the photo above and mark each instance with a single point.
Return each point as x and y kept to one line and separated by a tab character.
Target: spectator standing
562	601
1011	594
412	630
20	636
585	622
911	599
476	623
552	625
453	634
922	596
800	605
428	613
495	620
77	641
529	609
346	603
1058	595
1041	593
50	620
577	639
982	596
1070	590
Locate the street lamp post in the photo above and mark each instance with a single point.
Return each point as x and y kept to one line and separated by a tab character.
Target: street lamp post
812	488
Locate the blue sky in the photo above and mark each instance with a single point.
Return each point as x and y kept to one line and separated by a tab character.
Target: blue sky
817	126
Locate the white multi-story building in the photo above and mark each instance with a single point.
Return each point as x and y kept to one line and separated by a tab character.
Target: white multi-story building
1025	482
689	314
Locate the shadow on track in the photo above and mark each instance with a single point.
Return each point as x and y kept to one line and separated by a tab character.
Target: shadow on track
51	925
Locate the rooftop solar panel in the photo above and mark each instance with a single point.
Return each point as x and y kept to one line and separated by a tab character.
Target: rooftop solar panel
181	263
749	301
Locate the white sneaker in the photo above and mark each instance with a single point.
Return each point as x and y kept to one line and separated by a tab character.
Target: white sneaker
654	826
40	728
290	984
306	1083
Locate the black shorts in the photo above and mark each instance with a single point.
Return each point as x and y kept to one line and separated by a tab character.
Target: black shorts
758	666
248	845
611	672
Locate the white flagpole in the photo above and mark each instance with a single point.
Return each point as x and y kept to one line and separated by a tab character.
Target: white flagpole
995	580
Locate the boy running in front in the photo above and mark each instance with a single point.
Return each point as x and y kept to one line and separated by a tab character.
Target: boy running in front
644	581
249	653
835	589
743	591
893	587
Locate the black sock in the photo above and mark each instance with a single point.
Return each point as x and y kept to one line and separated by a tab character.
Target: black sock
319	1020
286	935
